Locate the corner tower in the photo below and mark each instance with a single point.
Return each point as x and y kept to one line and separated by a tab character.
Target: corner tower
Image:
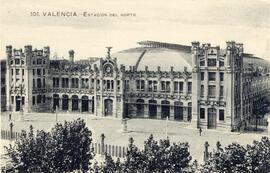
216	85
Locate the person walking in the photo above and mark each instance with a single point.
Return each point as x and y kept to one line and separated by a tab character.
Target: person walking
200	131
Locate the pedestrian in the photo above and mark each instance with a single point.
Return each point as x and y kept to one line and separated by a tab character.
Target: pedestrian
200	131
9	117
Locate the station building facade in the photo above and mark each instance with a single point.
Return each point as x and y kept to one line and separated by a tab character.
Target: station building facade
205	85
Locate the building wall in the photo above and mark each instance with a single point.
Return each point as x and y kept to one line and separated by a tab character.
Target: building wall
209	96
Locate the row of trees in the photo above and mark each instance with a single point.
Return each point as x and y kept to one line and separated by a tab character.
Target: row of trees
67	148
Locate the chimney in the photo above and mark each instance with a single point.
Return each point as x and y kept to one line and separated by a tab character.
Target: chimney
71	56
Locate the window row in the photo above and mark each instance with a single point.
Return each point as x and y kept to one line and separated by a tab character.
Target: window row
17	72
38	84
38	99
17	62
38	72
211	62
212	114
165	86
212	76
212	91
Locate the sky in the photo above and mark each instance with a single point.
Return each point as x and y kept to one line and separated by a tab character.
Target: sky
174	21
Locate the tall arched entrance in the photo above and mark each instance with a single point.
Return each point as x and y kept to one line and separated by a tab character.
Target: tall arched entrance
75	103
178	111
140	107
85	104
165	109
108	107
152	108
55	101
65	102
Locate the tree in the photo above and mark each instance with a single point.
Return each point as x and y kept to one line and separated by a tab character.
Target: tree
156	157
66	148
253	158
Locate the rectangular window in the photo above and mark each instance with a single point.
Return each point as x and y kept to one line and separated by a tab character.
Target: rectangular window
202	75
34	83
17	61
127	85
43	71
221	76
12	72
165	86
212	91
140	85
38	72
39	61
202	63
212	76
155	86
17	71
176	87
12	99
181	87
44	84
39	99
33	72
38	83
221	63
23	72
221	115
33	100
212	62
189	87
221	91
202	113
202	90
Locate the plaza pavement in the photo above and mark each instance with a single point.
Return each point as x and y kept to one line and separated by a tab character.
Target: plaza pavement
139	129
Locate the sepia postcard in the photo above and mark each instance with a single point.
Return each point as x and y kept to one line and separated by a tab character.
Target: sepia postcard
135	86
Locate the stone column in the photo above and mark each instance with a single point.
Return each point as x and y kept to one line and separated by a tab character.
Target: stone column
146	110
60	104
69	104
185	113
171	112
158	111
80	105
185	87
90	106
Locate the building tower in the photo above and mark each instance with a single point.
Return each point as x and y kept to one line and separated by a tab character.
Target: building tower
216	80
26	75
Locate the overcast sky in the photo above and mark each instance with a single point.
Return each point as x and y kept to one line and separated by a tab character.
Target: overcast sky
175	21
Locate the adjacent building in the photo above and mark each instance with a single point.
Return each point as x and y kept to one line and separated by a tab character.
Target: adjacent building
205	85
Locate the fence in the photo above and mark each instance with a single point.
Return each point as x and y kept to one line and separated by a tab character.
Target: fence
259	122
98	148
112	150
7	135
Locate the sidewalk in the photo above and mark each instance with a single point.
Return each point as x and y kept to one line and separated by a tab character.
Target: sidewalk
139	129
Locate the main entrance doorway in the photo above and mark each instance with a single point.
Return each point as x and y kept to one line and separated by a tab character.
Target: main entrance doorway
85	104
165	109
212	118
152	108
18	103
108	107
